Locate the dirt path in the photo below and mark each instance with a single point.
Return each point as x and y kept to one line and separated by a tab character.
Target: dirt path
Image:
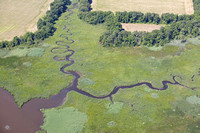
141	27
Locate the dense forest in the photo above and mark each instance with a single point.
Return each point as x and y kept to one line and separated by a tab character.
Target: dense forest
177	26
45	26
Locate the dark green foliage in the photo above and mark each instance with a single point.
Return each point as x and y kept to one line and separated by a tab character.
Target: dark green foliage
16	41
3	44
179	26
95	17
113	26
180	30
28	38
45	26
85	5
137	17
40	23
168	18
118	39
151	18
196	4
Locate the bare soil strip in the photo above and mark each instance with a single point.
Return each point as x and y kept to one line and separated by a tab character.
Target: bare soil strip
189	8
141	27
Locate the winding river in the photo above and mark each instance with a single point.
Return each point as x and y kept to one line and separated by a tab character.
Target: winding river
29	118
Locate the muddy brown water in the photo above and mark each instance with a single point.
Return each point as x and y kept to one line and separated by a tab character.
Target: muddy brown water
29	118
15	120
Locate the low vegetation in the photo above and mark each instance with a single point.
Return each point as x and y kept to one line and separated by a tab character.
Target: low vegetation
115	107
22	52
30	73
67	120
138	109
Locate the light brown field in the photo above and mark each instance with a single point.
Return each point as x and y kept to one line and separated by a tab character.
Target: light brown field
141	27
155	6
20	16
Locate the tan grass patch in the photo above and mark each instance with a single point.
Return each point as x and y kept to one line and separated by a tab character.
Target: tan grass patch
155	6
141	27
20	16
189	8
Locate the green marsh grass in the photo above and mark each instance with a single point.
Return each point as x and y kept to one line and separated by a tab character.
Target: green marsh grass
143	110
3	52
101	70
27	64
110	67
36	52
67	120
42	79
18	52
115	107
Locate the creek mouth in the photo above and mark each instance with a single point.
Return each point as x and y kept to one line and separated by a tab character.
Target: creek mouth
29	118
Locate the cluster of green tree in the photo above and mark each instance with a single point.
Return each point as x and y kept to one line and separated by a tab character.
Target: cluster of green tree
115	36
196	4
121	38
180	27
85	5
45	26
180	30
95	17
152	18
112	25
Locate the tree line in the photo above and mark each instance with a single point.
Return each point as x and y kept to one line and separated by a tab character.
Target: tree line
97	17
45	26
119	37
178	27
150	18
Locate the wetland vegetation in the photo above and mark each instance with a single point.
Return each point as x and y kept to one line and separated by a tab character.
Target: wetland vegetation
101	69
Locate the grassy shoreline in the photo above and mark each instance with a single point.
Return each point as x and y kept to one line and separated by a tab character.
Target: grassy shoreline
42	79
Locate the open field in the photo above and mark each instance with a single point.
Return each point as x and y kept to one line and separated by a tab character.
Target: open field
140	27
154	6
138	109
20	16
